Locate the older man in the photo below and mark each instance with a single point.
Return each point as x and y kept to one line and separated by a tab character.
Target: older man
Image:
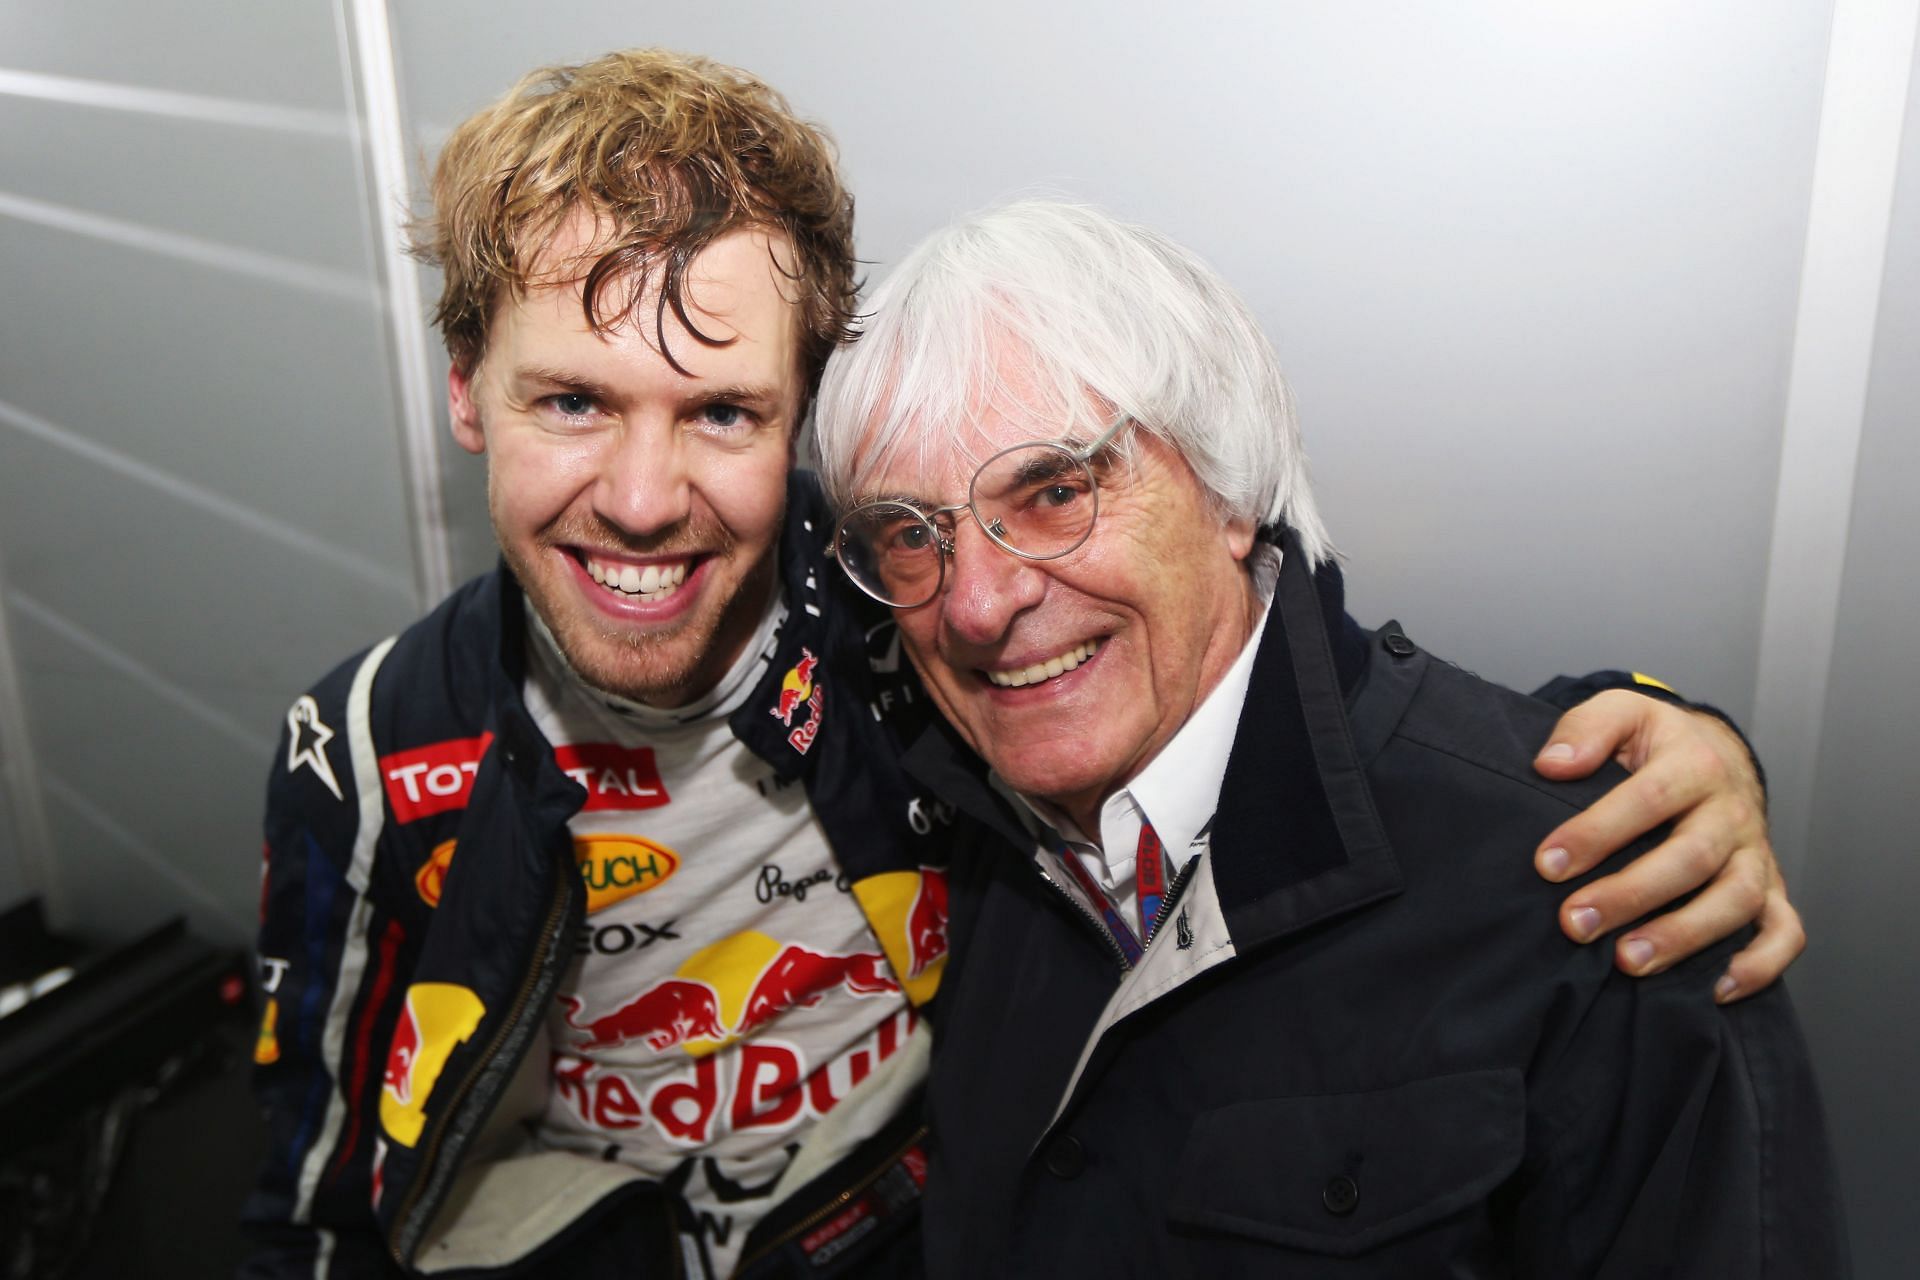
1243	979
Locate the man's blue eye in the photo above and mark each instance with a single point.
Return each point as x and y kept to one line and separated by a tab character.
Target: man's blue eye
723	415
573	406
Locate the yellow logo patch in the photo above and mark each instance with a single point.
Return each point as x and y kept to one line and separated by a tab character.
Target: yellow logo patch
615	868
266	1047
432	876
437	1017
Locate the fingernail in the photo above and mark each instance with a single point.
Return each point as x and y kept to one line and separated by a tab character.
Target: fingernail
1585	922
1553	862
1637	952
1725	989
1558	752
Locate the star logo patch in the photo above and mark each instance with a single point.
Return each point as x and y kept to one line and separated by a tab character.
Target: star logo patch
307	740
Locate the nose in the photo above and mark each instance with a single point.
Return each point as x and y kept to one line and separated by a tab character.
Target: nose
986	587
643	486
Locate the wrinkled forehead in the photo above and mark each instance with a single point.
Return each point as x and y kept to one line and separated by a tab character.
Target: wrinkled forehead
927	436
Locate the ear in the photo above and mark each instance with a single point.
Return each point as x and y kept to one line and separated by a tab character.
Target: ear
463	409
1240	533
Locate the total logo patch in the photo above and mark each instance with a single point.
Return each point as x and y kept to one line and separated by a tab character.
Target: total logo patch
434	778
437	1018
613	867
621	778
438	777
798	687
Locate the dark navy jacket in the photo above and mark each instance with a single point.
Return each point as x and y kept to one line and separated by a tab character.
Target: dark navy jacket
1370	1051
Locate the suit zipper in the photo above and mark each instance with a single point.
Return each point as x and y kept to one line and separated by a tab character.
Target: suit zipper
1079	908
556	914
1172	898
836	1204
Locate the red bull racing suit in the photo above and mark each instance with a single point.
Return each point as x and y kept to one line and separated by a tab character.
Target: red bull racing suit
405	987
1357	1044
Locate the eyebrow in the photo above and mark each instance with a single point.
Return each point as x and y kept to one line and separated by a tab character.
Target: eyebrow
738	393
562	378
924	506
761	398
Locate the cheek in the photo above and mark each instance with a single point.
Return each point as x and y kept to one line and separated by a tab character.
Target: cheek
748	491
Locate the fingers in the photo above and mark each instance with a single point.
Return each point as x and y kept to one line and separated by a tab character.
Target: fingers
1695	852
1607	725
1665	787
1733	900
1781	939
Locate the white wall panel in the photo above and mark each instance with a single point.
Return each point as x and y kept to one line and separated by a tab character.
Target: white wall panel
1862	867
283	53
250	187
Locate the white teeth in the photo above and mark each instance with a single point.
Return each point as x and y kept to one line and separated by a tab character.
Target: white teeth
656	581
1053	667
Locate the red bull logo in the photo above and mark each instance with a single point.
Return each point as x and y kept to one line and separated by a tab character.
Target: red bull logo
436	1017
670	1012
730	990
795	687
766	1085
908	912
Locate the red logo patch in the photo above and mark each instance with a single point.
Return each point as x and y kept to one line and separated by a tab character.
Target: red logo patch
434	778
615	777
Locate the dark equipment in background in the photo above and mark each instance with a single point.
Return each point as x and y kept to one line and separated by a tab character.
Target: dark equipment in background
126	1133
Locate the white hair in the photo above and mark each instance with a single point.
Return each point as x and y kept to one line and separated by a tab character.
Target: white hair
1061	315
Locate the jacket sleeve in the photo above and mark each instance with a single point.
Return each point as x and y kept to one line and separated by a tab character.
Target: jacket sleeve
328	962
1568	692
1671	1136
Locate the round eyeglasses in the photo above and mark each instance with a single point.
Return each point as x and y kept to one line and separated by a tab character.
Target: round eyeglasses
1036	500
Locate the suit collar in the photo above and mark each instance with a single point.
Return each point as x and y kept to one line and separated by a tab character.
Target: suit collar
1296	837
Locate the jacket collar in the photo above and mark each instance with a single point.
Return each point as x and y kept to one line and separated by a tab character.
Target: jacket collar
1296	838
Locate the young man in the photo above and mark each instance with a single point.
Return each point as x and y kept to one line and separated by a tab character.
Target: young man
598	912
1243	980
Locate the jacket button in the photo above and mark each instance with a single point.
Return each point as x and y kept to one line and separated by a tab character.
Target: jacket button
1065	1157
1398	645
1341	1196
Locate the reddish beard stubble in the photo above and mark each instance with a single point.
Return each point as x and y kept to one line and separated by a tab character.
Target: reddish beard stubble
658	664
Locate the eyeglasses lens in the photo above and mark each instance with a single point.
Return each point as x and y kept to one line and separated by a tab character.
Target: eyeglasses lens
892	551
1036	501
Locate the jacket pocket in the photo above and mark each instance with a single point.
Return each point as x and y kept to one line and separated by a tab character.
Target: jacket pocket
1340	1174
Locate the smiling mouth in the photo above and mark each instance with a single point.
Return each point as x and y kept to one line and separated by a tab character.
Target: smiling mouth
638	582
1051	669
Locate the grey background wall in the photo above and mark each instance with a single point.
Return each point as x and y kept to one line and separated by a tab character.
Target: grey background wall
200	497
1536	272
1856	989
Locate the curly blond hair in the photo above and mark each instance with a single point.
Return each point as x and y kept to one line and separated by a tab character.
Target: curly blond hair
668	151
